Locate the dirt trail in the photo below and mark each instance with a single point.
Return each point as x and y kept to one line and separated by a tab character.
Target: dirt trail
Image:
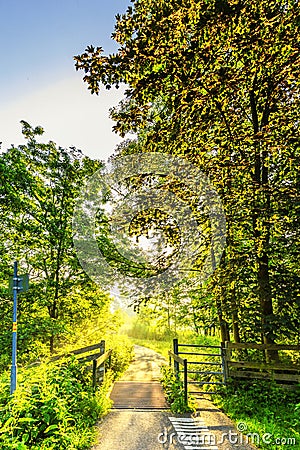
145	365
140	419
139	386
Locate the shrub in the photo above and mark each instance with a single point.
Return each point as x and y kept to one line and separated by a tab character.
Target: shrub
174	391
54	408
122	353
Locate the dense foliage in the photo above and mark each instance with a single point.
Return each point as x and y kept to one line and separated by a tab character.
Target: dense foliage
174	392
39	185
54	405
217	82
53	408
212	81
264	407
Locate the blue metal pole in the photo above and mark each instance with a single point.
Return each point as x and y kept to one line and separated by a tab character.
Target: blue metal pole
13	378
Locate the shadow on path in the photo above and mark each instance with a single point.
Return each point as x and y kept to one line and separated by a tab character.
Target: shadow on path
138	387
145	366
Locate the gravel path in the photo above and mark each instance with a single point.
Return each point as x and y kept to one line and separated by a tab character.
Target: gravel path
145	365
135	430
134	427
227	436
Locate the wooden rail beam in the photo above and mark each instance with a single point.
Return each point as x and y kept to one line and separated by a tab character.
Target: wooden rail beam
80	351
176	358
240	345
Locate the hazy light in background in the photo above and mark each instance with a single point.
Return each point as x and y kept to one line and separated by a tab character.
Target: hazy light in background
69	114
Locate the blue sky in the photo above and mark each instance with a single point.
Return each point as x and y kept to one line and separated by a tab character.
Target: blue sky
38	81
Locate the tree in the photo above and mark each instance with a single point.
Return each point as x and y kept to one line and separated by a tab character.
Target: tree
226	73
39	186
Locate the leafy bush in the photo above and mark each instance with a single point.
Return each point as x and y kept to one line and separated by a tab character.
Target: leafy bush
122	353
174	391
54	408
206	340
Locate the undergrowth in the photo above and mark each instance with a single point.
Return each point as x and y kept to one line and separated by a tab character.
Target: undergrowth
174	391
264	408
55	406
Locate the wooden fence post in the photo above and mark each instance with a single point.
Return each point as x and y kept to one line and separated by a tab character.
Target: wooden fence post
185	381
102	347
227	357
94	373
102	351
175	350
224	363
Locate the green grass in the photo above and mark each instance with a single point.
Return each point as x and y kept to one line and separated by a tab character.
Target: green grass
163	346
266	409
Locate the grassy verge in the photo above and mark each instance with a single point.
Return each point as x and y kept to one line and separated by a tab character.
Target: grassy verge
55	406
264	408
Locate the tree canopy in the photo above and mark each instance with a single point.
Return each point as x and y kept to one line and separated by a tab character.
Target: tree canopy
39	186
217	82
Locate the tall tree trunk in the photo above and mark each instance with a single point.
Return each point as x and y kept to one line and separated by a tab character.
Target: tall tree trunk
261	228
195	323
224	331
266	305
235	327
168	316
51	344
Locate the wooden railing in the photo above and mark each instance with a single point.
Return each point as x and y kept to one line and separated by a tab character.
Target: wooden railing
98	359
279	371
